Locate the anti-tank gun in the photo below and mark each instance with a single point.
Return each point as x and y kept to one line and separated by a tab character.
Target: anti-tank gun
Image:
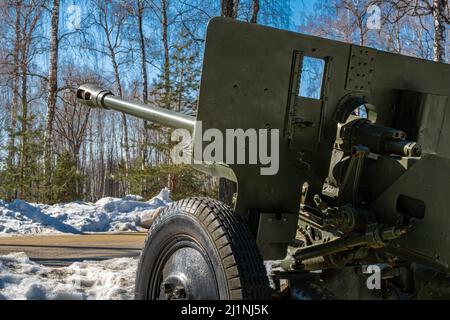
361	139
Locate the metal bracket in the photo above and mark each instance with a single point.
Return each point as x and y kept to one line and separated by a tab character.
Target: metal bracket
277	228
360	69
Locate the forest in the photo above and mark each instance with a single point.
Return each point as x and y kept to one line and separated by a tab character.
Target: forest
52	149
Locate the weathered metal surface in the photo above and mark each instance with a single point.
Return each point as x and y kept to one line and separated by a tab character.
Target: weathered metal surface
426	184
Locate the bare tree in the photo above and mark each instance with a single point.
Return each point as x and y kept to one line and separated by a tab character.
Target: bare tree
71	125
15	87
111	21
31	16
255	10
51	99
46	124
356	12
229	8
142	46
439	11
165	40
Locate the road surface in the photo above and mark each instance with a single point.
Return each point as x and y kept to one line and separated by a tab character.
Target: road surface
62	250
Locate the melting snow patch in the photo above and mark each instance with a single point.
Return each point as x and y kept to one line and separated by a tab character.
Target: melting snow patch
107	214
111	279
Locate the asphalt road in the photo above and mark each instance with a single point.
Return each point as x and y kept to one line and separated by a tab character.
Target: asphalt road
62	250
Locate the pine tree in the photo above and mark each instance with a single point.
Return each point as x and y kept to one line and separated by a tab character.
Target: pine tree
66	178
185	73
181	96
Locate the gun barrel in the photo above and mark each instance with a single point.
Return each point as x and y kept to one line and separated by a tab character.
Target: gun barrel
95	97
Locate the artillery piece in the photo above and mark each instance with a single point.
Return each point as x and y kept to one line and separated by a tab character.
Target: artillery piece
363	146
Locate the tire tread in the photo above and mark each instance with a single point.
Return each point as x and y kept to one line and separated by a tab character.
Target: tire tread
243	265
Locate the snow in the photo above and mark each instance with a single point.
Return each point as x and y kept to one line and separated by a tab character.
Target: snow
21	278
188	111
106	215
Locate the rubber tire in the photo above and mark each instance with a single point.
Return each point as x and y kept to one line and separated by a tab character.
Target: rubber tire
225	238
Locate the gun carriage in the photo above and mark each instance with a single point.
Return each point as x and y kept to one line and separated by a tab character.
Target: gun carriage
363	178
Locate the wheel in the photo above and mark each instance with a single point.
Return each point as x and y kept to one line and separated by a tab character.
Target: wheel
199	248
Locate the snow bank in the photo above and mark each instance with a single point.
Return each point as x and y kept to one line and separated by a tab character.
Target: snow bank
107	214
111	279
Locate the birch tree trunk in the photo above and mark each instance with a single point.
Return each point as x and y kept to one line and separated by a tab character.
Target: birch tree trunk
166	53
144	141
15	88
125	144
24	121
51	99
255	10
229	8
439	7
235	11
143	53
167	89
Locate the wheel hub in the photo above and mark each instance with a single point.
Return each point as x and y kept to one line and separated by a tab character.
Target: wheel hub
187	274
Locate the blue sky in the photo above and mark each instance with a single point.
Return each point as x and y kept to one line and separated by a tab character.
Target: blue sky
300	7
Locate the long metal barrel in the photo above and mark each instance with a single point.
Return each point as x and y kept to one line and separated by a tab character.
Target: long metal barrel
96	97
